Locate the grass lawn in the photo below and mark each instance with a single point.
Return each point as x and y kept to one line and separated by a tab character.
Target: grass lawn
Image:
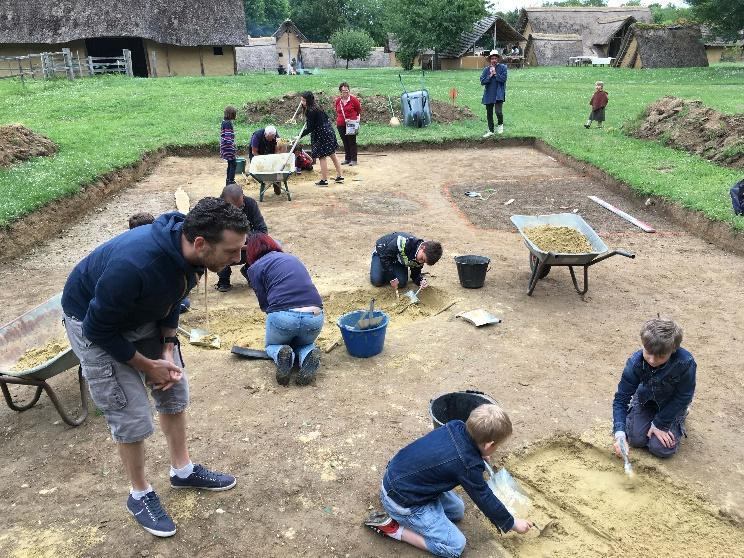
107	123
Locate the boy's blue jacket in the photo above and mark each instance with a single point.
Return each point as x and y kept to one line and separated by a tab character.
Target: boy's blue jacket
495	86
137	277
670	386
438	462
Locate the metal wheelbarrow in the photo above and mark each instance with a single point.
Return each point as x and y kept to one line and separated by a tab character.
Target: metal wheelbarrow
541	262
268	169
36	328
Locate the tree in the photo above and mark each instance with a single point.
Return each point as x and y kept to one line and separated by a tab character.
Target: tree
512	17
262	17
369	16
318	19
432	24
725	17
670	14
352	44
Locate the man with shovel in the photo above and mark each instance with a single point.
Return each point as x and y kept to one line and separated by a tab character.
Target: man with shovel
121	310
233	193
395	253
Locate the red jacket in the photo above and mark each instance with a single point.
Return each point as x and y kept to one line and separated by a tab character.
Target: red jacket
599	100
352	109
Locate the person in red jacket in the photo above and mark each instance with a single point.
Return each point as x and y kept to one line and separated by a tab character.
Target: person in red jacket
598	102
348	113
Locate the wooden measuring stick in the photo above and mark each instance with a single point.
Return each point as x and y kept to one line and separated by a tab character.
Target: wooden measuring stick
206	306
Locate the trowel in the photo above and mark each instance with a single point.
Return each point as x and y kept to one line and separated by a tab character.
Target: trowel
624	450
369	320
413	297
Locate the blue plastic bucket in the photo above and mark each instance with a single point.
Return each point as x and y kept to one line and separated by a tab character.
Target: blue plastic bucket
362	343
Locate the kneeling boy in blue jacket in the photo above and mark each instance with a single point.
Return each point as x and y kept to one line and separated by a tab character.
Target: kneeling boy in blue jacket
417	488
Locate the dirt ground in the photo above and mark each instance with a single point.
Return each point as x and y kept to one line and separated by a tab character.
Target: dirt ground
692	126
309	460
375	108
18	143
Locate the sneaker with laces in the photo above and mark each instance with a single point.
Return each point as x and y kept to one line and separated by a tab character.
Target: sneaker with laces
309	368
148	512
204	479
500	129
223	287
488	134
381	523
284	362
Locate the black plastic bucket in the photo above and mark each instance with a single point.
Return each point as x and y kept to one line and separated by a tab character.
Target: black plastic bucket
472	270
456	406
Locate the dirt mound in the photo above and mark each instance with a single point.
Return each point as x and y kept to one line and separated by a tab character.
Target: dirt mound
374	109
691	126
18	143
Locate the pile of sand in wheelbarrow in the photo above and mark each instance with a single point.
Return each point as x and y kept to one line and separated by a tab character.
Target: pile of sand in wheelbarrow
18	143
375	109
35	356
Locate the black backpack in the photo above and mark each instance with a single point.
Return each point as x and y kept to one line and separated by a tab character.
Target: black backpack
737	197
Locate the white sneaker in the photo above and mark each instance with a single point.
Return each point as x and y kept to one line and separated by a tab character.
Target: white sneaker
500	129
488	134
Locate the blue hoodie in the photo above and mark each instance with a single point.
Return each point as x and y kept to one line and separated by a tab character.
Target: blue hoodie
135	278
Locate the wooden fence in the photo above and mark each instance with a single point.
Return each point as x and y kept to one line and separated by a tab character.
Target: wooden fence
49	65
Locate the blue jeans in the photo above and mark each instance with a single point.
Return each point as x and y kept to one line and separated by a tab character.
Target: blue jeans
299	330
379	278
432	521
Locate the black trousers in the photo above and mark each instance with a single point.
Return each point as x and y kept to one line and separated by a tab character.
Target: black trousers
350	145
499	114
231	164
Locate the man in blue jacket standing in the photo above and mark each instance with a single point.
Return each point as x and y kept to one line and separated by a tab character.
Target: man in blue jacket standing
493	78
121	306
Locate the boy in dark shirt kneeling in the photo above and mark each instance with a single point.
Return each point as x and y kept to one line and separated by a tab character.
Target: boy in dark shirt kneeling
417	488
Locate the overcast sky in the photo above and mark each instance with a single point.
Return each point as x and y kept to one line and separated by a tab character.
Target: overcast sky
507	5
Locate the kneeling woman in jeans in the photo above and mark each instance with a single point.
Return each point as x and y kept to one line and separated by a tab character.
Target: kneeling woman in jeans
294	309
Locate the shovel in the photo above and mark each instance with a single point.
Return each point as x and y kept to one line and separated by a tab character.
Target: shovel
413	297
201	337
369	320
293	120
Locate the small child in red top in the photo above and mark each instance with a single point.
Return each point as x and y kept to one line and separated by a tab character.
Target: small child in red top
303	160
598	102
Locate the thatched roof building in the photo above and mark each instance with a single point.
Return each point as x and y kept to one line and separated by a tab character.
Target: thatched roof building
258	54
288	38
462	52
601	29
715	46
190	37
657	46
551	50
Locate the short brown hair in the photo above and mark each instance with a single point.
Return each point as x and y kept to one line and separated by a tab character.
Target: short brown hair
230	113
139	219
344	84
661	336
489	423
433	251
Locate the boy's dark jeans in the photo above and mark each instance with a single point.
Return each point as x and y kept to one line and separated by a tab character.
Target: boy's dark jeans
499	114
350	144
231	164
639	421
379	278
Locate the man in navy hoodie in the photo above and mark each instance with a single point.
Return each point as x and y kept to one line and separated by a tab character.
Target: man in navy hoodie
121	306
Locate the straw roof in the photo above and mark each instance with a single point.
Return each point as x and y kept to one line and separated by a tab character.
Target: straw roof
256	41
595	25
288	26
184	23
258	54
552	49
466	41
676	46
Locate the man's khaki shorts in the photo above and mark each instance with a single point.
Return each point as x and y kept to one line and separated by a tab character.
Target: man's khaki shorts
119	390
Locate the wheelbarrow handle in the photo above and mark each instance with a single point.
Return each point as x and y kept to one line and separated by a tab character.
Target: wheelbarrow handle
610	254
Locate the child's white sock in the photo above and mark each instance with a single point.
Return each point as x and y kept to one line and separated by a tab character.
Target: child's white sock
396	534
139	494
183	472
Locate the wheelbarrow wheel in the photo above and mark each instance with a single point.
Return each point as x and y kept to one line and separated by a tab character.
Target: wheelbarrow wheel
535	262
